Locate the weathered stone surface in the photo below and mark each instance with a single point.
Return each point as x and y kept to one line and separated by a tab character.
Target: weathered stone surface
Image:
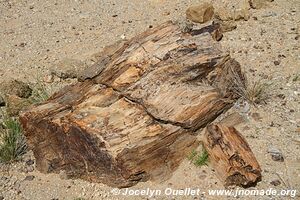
241	14
201	13
15	87
135	113
228	26
68	68
223	14
258	4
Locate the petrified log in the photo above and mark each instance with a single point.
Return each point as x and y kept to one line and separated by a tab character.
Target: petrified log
231	156
134	114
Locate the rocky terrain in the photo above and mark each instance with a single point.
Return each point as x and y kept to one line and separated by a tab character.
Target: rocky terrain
48	42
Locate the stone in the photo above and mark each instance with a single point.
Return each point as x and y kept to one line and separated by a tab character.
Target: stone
15	87
29	178
48	78
276	62
201	13
241	14
275	182
63	175
258	4
217	34
30	162
223	14
227	26
256	117
68	68
276	154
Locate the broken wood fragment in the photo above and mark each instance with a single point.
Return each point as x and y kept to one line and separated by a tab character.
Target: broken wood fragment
231	156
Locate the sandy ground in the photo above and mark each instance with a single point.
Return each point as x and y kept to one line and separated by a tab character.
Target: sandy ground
36	35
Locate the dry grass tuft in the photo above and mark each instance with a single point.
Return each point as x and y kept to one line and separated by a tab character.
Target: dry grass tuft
12	141
254	93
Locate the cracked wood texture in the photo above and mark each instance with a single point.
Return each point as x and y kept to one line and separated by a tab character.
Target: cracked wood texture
134	115
231	156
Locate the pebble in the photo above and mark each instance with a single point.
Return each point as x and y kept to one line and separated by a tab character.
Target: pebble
29	178
29	162
275	182
276	62
49	78
276	154
63	175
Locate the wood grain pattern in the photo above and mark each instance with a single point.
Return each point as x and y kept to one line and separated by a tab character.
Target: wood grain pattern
135	113
231	156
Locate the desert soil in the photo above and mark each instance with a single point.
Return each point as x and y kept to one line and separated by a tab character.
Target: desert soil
37	35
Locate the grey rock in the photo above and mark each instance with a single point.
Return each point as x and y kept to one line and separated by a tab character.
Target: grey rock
68	68
276	154
275	182
29	178
29	162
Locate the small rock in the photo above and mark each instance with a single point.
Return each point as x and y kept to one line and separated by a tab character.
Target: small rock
29	178
63	175
275	182
258	4
227	26
166	13
68	68
223	15
256	117
217	34
29	162
276	154
48	78
241	14
2	102
29	169
276	62
123	37
15	87
201	13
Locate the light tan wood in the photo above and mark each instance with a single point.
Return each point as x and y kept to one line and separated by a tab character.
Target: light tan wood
135	113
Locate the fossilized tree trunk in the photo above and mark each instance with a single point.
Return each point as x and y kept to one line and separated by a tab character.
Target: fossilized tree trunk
231	156
134	114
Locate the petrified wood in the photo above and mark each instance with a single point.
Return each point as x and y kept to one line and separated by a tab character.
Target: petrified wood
231	156
135	113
